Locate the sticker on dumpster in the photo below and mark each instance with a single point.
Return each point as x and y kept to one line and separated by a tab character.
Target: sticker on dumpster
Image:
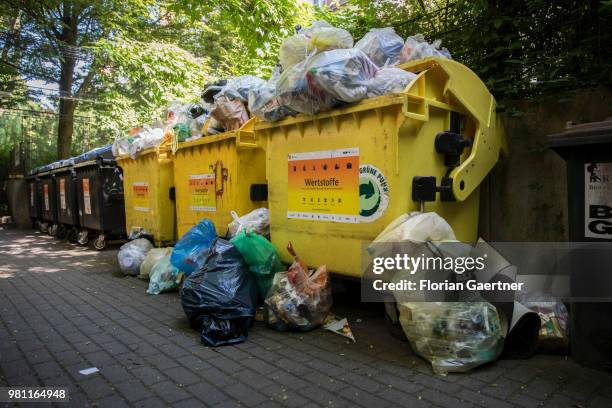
202	195
46	196
86	197
62	193
141	196
324	185
598	200
32	195
373	193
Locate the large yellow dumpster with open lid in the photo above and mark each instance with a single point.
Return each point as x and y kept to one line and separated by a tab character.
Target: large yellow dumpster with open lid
218	174
147	185
337	179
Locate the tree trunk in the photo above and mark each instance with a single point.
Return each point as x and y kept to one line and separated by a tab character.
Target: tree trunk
65	128
67	105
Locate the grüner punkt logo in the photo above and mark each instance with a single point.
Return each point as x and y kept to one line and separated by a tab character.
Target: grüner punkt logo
373	193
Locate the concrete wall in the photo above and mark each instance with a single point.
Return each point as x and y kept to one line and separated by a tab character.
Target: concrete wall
525	196
17	191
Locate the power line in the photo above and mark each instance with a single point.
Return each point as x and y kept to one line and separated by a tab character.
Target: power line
39	112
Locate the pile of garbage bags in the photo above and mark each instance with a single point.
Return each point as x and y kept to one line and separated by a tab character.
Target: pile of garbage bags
320	69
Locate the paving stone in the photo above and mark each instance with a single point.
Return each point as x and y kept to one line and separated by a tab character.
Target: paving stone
133	390
169	392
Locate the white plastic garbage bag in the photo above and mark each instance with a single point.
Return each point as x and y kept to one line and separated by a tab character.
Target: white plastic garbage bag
417	227
257	221
389	80
153	256
132	254
382	45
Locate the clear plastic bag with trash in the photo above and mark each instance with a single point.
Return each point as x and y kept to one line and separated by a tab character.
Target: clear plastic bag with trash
257	221
163	277
553	336
453	336
238	88
132	254
389	80
416	47
320	36
190	252
264	103
382	45
298	299
343	74
295	91
153	256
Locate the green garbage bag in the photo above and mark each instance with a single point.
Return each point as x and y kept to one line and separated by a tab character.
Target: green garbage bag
261	257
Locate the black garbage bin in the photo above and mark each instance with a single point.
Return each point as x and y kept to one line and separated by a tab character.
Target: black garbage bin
34	197
587	150
48	211
66	199
99	187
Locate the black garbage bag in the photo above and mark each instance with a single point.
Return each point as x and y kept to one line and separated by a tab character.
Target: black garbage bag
219	299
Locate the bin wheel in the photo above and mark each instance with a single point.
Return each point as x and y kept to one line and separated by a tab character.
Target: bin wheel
73	235
100	242
61	233
52	230
83	238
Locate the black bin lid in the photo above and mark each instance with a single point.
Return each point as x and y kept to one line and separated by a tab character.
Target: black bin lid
593	136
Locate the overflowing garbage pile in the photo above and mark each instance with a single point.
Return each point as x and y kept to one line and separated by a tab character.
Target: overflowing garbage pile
182	122
457	336
320	69
221	281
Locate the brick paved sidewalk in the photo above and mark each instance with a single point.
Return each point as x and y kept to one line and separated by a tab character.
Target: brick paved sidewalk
64	308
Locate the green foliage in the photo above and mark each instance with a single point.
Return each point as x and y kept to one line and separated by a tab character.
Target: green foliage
520	48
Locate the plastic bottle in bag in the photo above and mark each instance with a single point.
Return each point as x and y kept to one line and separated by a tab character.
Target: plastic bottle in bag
382	45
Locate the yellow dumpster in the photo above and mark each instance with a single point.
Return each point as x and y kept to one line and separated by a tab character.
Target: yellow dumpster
337	179
147	184
217	174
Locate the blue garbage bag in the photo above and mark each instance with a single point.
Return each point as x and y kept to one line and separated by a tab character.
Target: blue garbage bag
190	251
220	299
